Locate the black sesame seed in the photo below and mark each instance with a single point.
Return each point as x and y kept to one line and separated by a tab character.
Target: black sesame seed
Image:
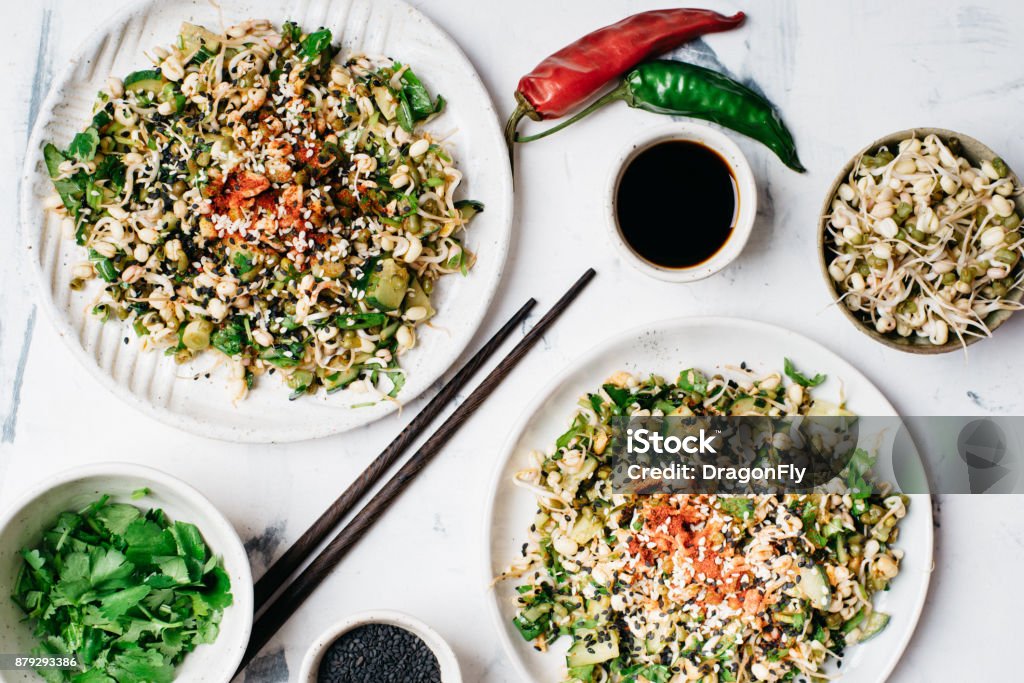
379	653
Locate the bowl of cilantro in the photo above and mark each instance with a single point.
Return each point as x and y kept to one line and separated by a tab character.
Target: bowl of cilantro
118	572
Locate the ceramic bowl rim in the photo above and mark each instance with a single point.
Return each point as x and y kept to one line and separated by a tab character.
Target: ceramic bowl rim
994	319
746	186
233	553
446	659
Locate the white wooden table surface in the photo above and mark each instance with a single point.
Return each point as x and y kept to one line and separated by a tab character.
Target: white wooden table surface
843	73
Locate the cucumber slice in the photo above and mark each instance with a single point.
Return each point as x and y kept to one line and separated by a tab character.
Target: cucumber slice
586	527
654	645
873	625
148	80
748	406
418	297
584	674
387	285
469	208
592	647
536	611
194	38
386	102
815	587
598	605
821	408
341	379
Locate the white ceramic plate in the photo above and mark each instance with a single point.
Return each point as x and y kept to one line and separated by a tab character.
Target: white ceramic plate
203	406
665	348
23	524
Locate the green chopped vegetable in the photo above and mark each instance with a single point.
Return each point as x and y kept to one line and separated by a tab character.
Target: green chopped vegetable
284	355
802	380
128	592
242	262
737	506
104	267
230	339
414	101
361	321
315	43
83	146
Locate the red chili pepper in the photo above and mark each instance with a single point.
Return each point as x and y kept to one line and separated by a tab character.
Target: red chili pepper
578	70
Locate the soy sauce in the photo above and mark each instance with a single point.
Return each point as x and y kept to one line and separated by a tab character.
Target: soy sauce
677	203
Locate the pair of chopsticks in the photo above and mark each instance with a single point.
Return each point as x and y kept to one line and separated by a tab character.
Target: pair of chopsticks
291	597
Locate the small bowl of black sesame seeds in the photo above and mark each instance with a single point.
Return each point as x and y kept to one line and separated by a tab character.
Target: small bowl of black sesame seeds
381	646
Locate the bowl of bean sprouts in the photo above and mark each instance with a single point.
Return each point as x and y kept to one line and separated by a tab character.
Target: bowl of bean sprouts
920	240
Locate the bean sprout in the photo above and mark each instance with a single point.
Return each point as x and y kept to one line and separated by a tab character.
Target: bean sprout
924	244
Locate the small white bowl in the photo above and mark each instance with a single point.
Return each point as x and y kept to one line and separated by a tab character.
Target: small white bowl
22	525
746	189
445	656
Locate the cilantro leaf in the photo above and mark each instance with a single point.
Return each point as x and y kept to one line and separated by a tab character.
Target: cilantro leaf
84	145
219	595
230	339
175	569
75	567
190	541
291	31
117	517
315	43
34	559
145	539
242	262
414	101
116	604
397	382
139	665
113	170
796	376
621	397
93	676
106	565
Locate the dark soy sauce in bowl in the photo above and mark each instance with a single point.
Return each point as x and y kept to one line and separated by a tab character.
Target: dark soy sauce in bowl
676	203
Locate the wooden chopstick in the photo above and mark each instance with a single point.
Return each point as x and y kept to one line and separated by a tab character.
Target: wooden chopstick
292	597
289	562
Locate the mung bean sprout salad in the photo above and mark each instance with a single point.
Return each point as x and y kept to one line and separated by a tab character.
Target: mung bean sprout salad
250	194
698	587
925	244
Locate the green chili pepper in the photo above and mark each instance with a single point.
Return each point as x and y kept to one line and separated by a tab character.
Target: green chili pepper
681	89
